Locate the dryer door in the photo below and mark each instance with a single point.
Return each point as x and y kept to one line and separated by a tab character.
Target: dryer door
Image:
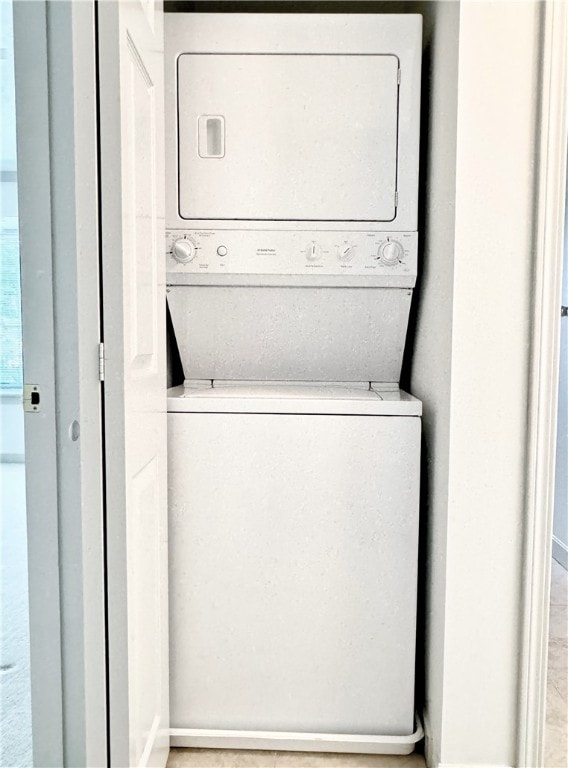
287	137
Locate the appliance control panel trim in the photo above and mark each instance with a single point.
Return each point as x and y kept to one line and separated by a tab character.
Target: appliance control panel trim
252	252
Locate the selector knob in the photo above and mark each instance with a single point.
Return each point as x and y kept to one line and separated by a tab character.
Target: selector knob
345	252
391	252
313	251
183	250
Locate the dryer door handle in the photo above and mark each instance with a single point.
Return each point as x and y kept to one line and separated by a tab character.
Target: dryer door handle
211	136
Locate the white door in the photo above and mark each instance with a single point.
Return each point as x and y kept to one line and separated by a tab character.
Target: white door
560	530
132	235
315	136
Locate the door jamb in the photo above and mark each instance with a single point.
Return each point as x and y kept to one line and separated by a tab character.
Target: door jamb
38	343
75	220
541	447
57	179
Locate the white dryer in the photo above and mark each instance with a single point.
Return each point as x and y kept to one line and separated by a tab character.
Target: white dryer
293	455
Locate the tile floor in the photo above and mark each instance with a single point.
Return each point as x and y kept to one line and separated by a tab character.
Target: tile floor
556	737
556	733
15	693
240	758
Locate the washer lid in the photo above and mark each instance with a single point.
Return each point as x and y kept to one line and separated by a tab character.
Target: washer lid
330	399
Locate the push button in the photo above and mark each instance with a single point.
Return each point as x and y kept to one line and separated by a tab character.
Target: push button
221	250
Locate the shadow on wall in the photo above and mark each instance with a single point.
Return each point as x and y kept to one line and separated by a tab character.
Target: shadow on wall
287	6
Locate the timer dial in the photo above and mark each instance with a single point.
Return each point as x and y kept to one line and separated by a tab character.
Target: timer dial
184	250
390	253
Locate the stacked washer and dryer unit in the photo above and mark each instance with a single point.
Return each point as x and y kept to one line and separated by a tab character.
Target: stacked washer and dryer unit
293	454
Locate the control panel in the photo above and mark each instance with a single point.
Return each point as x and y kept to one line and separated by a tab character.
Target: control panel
272	252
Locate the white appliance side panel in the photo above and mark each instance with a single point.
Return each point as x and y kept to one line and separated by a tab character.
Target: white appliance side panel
293	569
296	137
297	334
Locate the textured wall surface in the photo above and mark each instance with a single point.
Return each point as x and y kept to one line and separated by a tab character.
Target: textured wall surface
470	365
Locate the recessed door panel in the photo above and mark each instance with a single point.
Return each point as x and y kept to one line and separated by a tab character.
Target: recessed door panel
139	212
287	137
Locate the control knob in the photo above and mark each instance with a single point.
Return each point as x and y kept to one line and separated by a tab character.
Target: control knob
183	250
313	251
390	253
345	252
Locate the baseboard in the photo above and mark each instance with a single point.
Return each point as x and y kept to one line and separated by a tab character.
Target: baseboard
471	765
432	759
560	552
296	742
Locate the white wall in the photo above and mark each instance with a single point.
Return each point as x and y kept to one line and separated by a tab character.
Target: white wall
470	366
495	200
431	360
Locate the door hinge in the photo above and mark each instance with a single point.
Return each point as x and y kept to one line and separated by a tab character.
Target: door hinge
101	361
398	75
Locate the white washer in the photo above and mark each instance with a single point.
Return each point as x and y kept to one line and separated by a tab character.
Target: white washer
291	252
293	562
